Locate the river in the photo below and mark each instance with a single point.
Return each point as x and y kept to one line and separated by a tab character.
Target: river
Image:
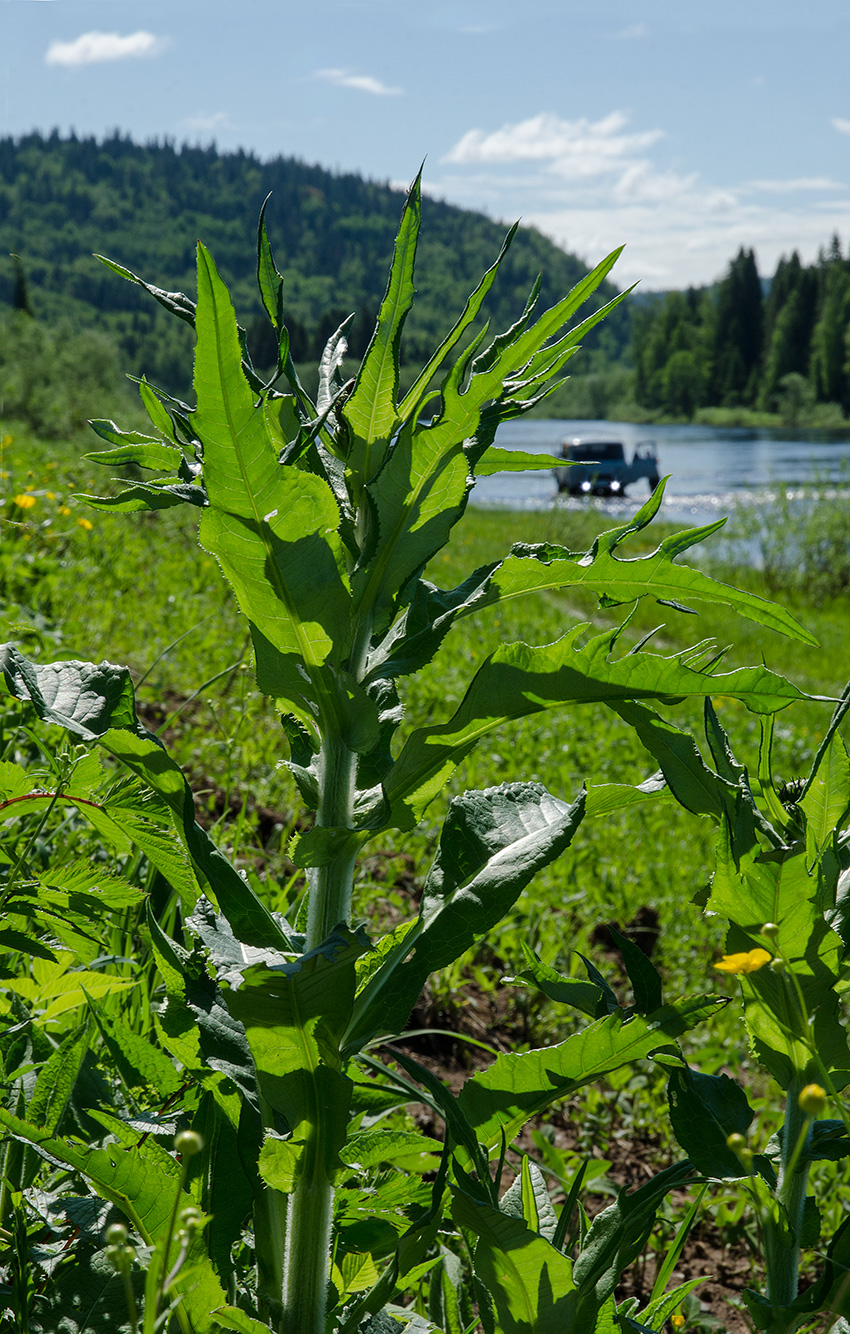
712	470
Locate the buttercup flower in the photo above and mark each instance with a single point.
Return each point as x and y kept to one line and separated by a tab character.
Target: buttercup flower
86	523
24	501
750	962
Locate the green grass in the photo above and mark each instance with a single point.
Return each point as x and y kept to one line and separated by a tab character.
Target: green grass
66	595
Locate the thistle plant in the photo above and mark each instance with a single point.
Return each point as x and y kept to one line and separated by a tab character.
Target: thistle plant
324	516
781	878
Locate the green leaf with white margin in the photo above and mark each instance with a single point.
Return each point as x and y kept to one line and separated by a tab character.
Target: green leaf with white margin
500	1099
96	703
546	567
491	845
527	1198
143	451
144	1189
518	680
273	529
371	412
530	1282
294	1016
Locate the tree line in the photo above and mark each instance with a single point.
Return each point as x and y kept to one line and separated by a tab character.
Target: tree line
64	197
782	346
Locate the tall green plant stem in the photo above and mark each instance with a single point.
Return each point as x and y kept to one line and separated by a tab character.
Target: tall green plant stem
308	1223
782	1235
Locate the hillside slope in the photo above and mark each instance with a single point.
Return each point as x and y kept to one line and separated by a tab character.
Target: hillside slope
145	206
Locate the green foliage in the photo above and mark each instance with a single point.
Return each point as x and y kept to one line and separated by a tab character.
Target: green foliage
324	518
59	198
728	346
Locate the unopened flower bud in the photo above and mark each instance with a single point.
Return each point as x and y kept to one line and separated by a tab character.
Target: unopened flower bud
191	1218
812	1100
738	1145
188	1143
117	1235
777	965
771	930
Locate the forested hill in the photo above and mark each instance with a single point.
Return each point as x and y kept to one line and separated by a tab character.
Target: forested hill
146	205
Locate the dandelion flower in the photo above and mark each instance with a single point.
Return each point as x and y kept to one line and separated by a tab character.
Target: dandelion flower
24	501
677	1320
86	523
750	962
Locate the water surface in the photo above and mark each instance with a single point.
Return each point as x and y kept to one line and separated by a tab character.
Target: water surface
712	470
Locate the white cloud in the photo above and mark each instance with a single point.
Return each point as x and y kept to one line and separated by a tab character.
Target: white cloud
843	126
361	83
592	185
574	149
206	124
93	48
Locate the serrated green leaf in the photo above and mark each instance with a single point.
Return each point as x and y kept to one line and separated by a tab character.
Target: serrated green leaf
495	460
144	1190
370	411
546	568
827	798
56	1080
518	1085
518	680
96	703
528	1198
140	1062
369	1148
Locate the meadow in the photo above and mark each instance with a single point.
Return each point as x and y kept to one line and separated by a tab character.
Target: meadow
85	584
285	1052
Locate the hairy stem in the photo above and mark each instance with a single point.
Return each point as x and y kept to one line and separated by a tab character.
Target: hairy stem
782	1236
308	1222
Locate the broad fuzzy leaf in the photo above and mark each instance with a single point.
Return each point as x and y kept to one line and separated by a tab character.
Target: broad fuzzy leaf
492	844
294	1016
96	703
704	1111
530	1282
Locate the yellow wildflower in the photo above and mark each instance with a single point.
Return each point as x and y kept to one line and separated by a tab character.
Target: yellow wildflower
63	509
677	1319
86	523
24	501
750	962
50	495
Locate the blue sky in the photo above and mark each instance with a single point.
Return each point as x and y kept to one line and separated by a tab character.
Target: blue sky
685	130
